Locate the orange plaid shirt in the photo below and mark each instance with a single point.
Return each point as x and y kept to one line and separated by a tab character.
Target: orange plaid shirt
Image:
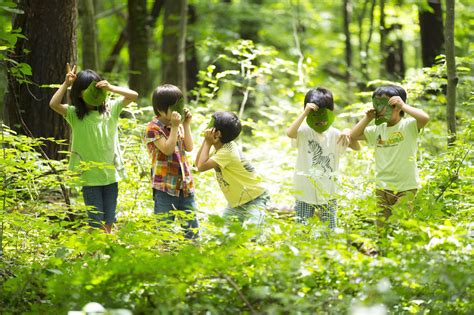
169	173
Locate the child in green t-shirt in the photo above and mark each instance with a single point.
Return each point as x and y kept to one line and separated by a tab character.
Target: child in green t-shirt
244	192
395	142
93	119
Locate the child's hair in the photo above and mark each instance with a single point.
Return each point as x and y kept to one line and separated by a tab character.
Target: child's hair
82	82
391	90
164	96
321	97
228	124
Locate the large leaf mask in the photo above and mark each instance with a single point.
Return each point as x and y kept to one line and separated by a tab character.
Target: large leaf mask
320	120
94	96
179	107
380	104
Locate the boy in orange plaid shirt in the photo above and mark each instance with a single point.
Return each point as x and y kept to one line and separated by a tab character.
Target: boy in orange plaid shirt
168	138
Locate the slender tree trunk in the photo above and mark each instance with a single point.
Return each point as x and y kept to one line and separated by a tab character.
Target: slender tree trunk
383	31
431	31
347	13
192	66
362	56
88	32
123	37
451	69
138	47
50	29
395	60
183	21
171	46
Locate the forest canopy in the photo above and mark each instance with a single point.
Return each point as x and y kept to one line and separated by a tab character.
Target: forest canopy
257	59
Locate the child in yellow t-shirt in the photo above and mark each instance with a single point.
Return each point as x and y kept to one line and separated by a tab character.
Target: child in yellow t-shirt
244	192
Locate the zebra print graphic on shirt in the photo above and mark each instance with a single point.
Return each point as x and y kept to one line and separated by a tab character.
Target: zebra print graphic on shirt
318	159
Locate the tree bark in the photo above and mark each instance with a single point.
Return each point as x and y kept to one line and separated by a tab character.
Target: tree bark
123	37
347	13
89	34
173	54
50	29
451	72
431	31
138	47
192	66
395	60
383	33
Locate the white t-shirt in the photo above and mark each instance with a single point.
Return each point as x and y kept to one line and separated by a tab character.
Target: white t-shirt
317	164
395	154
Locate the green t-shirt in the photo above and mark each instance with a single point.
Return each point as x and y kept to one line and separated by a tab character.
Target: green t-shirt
395	154
95	139
236	177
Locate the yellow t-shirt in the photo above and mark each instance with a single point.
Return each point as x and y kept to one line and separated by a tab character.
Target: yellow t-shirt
395	154
236	176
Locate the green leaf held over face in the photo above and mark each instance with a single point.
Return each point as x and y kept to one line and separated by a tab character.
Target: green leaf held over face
94	96
379	105
320	120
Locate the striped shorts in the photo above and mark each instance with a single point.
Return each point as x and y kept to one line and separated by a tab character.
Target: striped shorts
326	212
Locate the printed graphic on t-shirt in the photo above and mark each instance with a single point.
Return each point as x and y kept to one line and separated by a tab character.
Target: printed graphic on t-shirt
220	178
394	139
318	159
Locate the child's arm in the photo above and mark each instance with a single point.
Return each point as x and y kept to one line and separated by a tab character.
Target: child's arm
347	140
203	162
421	117
357	132
292	131
128	94
167	146
188	137
55	102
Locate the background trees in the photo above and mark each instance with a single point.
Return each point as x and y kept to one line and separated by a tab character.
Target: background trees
258	57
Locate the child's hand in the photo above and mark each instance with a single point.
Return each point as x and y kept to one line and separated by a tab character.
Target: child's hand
104	85
370	113
309	107
210	136
187	116
175	119
345	137
396	102
70	74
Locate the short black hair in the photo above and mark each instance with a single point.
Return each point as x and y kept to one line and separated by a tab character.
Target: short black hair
164	96
82	82
391	90
228	124
321	97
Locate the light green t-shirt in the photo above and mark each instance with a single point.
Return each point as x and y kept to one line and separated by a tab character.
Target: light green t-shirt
236	176
395	154
95	139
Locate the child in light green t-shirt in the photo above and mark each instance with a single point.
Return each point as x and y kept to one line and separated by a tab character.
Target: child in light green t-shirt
94	145
395	142
242	189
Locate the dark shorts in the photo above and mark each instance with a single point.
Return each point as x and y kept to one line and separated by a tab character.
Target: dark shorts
103	199
164	203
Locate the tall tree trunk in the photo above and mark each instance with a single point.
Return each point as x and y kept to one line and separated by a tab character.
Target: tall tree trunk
183	21
383	31
192	66
50	30
89	33
347	13
138	79
123	37
451	69
173	42
431	30
395	61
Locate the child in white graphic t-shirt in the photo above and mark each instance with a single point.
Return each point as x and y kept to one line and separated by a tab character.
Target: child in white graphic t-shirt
319	147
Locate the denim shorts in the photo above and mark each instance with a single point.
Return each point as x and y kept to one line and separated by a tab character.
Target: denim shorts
252	212
164	203
104	201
